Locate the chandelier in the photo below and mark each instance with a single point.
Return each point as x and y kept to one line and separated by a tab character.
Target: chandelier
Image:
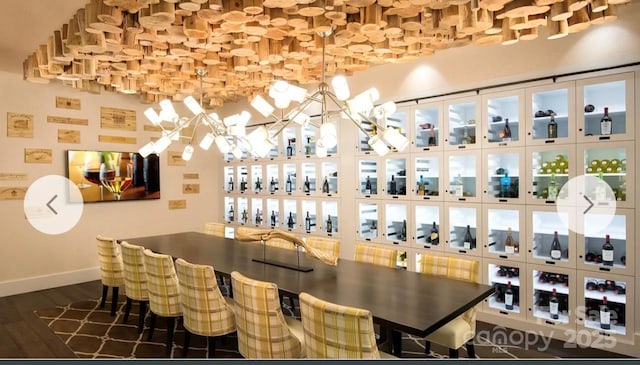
357	109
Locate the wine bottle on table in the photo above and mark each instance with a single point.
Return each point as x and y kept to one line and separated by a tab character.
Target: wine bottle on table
434	237
556	249
508	297
553	305
290	221
367	186
329	224
607	252
307	222
552	127
509	243
605	123
468	239
605	315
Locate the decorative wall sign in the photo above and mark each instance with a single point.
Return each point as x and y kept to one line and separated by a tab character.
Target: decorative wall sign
68	136
177	204
114	118
19	125
191	188
38	155
151	128
10	176
191	176
174	158
65	120
117	139
13	193
67	103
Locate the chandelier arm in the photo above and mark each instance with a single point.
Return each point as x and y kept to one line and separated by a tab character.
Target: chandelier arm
345	112
300	108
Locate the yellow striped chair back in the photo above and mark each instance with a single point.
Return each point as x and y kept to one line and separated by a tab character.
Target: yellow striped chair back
214	229
205	311
333	331
434	265
262	330
280	242
463	269
162	284
376	255
111	268
135	276
329	246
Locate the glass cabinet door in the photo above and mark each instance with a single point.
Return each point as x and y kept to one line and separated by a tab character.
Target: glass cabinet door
503	124
257	212
549	239
273	179
395	218
275	151
243	211
363	145
368	177
243	175
329	177
504	176
551	114
462	177
308	142
428	223
290	178
549	169
396	177
400	121
330	217
229	180
289	142
257	179
290	215
553	296
508	279
230	209
427	184
463	228
606	108
613	163
272	215
427	127
310	216
504	232
308	179
368	220
462	117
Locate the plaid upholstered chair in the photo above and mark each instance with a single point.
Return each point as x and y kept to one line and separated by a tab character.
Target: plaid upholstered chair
462	329
263	330
333	331
376	255
164	293
135	280
214	229
205	311
111	270
329	246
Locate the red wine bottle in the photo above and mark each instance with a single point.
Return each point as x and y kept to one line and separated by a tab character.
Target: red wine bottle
605	315
553	305
508	297
556	249
605	123
552	127
607	252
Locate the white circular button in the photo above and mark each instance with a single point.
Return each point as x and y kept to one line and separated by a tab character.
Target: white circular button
53	204
589	204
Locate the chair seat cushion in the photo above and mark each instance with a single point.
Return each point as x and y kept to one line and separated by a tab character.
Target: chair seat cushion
452	335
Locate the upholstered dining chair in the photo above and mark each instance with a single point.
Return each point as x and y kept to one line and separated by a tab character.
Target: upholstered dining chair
135	280
111	270
214	229
376	255
462	329
264	332
205	311
333	331
328	245
164	293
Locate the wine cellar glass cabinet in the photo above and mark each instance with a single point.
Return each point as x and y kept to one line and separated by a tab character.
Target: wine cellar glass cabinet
482	179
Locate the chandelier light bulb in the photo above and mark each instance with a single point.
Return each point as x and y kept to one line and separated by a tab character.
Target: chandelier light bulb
207	141
243	118
282	101
222	144
378	145
161	144
301	119
381	112
193	105
146	150
321	150
296	93
167	113
262	106
153	117
237	152
328	135
187	153
341	87
394	138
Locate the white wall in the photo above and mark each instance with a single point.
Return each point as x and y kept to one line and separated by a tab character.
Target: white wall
32	260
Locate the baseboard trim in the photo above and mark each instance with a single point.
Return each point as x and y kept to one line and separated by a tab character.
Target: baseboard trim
35	283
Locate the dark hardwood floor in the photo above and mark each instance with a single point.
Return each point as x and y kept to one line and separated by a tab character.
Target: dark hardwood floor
24	335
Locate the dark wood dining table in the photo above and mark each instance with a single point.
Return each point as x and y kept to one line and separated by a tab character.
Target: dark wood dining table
399	300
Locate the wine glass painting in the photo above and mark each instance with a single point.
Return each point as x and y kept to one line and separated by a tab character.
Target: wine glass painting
114	176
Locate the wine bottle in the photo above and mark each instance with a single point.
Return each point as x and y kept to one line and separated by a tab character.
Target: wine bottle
243	185
457	187
138	169
508	297
505	184
325	185
231	213
329	224
605	315
509	243
307	222
245	216
556	249
289	149
552	189
468	240
607	252
290	221
553	305
605	123
506	132
258	216
273	219
373	229
273	185
307	184
403	231
392	186
421	186
591	285
434	237
465	137
151	173
258	185
552	127
230	185
288	187
307	147
367	186
432	135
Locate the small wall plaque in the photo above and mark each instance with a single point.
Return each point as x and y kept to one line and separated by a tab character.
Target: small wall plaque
191	188
191	176
174	158
114	118
117	139
68	136
65	120
19	125
151	128
177	204
10	176
38	155
67	103
13	193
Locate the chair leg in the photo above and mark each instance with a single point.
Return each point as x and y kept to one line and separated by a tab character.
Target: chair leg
143	313
471	349
171	324
453	353
212	347
427	347
152	326
114	300
127	310
187	339
103	300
